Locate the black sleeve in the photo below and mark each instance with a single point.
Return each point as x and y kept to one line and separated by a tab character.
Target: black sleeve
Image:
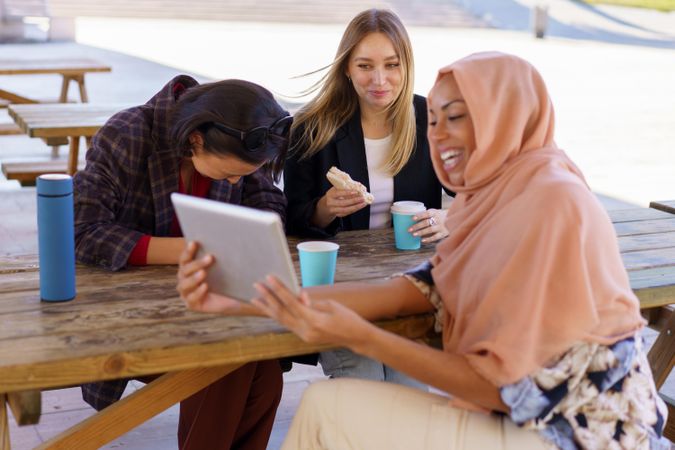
303	189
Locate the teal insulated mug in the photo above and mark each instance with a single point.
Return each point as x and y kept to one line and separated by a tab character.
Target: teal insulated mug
402	214
317	262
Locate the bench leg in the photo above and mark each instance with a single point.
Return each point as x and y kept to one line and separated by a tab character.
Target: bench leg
4	424
73	155
662	354
131	411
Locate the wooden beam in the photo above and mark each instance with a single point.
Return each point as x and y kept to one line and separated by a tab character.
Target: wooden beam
15	98
669	430
662	354
135	409
73	154
26	407
4	424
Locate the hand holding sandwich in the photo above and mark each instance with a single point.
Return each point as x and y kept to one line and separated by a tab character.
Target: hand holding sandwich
344	198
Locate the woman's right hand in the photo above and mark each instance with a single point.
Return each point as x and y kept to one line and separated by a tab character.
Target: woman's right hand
194	291
337	203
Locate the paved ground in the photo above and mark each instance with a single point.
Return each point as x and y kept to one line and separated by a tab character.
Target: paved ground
610	73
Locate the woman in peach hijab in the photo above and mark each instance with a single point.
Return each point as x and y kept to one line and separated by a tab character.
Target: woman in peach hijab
539	322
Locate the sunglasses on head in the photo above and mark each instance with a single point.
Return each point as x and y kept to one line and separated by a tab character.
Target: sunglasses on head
255	138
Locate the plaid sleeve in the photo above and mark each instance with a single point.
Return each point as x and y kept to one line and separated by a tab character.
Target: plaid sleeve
260	192
99	194
103	393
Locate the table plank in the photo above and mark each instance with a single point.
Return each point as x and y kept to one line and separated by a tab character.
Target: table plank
158	350
644	227
62	120
646	259
631	243
635	214
65	66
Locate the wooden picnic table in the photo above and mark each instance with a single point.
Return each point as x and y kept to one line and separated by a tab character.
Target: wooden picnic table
131	323
69	69
59	121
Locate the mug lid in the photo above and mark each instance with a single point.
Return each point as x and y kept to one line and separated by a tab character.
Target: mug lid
317	246
407	207
54	184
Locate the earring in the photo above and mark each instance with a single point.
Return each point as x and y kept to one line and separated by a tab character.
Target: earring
349	78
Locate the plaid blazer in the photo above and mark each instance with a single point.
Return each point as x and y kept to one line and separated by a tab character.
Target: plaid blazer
124	192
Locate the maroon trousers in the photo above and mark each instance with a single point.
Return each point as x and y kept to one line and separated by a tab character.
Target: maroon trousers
235	412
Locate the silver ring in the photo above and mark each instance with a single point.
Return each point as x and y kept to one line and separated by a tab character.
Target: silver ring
432	221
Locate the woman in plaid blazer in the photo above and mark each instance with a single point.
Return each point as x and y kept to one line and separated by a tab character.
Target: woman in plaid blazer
224	141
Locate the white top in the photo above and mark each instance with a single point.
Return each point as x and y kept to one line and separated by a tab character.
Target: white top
381	183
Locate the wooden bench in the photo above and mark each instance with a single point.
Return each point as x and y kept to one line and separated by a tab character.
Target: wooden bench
8	129
26	172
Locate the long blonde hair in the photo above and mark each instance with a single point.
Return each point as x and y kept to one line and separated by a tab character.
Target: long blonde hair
336	100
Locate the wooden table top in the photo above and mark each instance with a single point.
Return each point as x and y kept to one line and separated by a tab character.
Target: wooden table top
63	66
62	119
132	323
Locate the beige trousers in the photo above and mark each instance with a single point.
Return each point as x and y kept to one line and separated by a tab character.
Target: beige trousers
354	414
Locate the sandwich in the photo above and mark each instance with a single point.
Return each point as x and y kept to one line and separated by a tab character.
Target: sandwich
342	180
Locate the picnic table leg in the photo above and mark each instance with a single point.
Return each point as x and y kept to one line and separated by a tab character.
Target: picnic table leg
73	155
65	84
63	98
4	424
662	354
84	98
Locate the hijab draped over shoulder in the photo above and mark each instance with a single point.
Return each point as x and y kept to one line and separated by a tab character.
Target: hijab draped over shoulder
531	265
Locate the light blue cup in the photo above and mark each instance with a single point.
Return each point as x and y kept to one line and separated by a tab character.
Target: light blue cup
402	214
317	262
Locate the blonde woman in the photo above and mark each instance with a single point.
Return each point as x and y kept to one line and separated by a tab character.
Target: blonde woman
366	121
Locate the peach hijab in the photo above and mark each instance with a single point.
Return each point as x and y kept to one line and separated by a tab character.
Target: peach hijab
531	265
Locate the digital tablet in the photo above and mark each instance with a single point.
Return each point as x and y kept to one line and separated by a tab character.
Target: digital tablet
247	244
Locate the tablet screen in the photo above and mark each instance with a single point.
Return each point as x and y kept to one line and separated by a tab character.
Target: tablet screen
247	244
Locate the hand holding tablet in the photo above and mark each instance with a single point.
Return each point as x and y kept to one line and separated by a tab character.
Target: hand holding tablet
247	244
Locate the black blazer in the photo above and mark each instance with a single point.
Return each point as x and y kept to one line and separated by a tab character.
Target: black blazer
305	181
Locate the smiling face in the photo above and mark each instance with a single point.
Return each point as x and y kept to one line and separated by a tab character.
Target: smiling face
450	131
218	166
375	70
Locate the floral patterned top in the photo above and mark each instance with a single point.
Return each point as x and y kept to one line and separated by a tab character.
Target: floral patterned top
593	397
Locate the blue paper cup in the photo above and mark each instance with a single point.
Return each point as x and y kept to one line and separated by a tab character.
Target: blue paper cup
402	214
317	262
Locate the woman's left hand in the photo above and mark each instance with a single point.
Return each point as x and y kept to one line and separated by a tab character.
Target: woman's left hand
314	321
195	292
430	225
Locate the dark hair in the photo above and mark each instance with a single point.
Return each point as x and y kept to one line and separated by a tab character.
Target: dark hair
235	103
